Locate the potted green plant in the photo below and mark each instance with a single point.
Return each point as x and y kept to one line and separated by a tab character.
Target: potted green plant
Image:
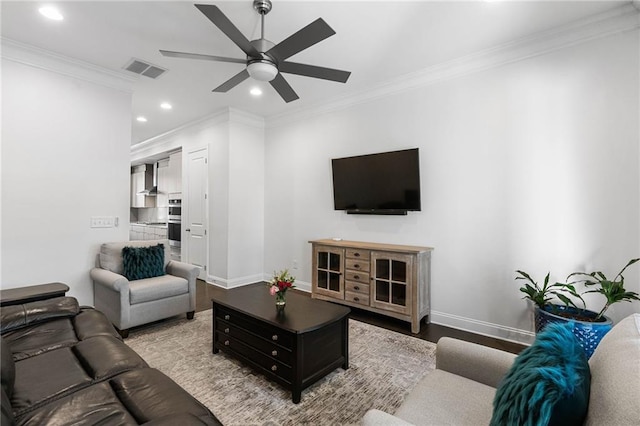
589	326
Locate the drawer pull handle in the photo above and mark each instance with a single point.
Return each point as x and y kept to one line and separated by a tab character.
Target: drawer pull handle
274	367
274	337
356	287
356	299
356	266
356	254
356	277
226	317
226	343
274	353
226	330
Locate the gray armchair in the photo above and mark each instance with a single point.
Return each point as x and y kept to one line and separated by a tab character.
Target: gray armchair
131	303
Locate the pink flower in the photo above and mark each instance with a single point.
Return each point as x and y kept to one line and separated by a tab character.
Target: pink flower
273	290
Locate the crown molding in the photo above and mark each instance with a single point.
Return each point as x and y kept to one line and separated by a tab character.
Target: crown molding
618	20
44	59
238	116
169	140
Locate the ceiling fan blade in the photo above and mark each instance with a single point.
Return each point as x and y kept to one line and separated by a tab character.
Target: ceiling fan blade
284	90
232	82
313	71
313	33
186	55
216	16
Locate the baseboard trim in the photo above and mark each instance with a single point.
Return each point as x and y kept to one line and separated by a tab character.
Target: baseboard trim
235	282
483	328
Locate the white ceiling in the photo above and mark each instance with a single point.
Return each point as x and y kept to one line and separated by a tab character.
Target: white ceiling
377	41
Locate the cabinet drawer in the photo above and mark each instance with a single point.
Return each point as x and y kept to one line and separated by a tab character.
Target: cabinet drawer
358	276
362	299
267	347
357	254
260	329
357	287
227	343
357	264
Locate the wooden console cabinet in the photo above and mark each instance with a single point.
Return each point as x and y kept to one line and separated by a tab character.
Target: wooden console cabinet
388	279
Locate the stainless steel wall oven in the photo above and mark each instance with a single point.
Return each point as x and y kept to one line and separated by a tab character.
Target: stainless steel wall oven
174	226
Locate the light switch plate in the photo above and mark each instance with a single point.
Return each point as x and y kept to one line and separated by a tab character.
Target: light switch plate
103	221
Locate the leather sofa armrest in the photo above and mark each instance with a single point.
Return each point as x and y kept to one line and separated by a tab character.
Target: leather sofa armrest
111	280
32	293
183	270
475	362
380	418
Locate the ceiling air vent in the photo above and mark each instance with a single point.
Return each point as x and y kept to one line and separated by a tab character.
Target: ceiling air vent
144	68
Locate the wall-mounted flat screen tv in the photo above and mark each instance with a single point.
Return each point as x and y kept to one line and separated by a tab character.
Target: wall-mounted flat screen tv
382	183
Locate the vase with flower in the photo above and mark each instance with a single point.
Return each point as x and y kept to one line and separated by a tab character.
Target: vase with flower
278	286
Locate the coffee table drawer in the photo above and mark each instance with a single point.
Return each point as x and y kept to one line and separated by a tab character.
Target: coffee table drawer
267	347
271	366
259	328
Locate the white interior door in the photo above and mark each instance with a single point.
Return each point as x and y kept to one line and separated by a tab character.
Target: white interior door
196	210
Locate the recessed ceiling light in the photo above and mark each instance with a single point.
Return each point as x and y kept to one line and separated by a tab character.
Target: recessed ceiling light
141	119
165	105
51	13
256	91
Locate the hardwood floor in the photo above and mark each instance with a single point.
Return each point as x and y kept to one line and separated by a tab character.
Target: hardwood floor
430	332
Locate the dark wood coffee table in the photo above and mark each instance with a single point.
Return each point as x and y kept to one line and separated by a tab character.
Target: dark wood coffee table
294	348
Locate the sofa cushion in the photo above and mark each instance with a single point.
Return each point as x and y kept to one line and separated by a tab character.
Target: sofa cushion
8	368
615	376
110	256
45	377
156	288
437	400
105	356
17	316
148	395
548	383
143	262
94	405
91	323
36	339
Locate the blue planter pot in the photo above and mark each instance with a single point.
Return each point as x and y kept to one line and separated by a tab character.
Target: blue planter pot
588	333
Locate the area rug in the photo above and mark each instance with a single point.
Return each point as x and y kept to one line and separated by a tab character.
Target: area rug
383	367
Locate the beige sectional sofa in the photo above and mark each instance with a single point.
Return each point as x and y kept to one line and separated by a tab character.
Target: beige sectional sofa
461	389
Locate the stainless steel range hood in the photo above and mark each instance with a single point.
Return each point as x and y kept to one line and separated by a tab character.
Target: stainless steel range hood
152	189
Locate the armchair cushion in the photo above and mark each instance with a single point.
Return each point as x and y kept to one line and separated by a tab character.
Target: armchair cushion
156	288
143	262
548	383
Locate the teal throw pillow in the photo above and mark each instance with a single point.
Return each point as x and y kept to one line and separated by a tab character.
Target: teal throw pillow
143	262
548	383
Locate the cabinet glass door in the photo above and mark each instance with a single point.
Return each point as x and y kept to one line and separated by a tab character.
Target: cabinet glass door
328	272
391	281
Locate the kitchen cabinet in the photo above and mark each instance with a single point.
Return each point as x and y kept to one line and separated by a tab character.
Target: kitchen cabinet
164	183
141	179
175	173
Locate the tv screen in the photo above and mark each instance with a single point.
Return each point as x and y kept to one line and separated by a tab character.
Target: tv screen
383	183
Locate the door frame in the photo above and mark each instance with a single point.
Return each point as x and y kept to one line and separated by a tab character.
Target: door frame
204	273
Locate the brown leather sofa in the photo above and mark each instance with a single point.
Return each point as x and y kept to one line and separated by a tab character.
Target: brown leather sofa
66	364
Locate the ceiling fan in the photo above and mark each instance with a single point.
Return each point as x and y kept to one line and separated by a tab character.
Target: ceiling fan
265	60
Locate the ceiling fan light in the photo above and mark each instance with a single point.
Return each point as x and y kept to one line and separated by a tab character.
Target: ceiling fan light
262	71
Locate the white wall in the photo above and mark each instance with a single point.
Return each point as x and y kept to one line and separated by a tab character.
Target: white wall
65	158
235	142
532	165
